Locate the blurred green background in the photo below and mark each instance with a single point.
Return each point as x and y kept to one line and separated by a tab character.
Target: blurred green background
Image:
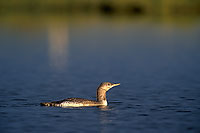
27	13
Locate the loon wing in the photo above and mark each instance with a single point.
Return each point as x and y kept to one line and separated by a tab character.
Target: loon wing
72	102
79	100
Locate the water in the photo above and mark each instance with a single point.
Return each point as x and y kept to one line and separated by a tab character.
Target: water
158	66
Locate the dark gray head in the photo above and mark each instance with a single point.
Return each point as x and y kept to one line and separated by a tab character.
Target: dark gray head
107	85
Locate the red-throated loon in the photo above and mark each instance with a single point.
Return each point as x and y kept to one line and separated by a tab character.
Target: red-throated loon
80	102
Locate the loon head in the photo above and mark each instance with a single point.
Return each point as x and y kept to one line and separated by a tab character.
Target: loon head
101	92
107	85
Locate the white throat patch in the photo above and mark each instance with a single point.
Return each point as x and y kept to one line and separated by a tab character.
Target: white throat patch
104	102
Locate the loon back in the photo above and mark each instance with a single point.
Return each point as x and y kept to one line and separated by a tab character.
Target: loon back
73	102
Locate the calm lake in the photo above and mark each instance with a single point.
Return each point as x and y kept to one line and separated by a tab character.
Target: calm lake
157	64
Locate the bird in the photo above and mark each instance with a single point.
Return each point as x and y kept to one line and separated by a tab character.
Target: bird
80	102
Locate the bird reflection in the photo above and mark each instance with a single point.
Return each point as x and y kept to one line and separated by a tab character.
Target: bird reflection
104	118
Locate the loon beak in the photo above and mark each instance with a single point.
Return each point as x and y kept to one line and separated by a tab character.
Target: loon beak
115	84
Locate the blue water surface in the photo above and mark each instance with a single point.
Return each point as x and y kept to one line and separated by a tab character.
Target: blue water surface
157	65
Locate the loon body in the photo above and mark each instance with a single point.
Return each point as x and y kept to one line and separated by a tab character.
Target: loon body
80	102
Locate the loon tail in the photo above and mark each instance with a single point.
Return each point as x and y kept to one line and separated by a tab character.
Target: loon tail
48	104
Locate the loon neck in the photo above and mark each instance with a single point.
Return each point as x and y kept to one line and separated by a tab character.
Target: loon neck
101	96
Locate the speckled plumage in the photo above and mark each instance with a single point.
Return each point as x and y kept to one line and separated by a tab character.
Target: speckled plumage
78	102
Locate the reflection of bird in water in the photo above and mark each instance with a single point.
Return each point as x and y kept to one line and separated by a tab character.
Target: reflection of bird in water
80	102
